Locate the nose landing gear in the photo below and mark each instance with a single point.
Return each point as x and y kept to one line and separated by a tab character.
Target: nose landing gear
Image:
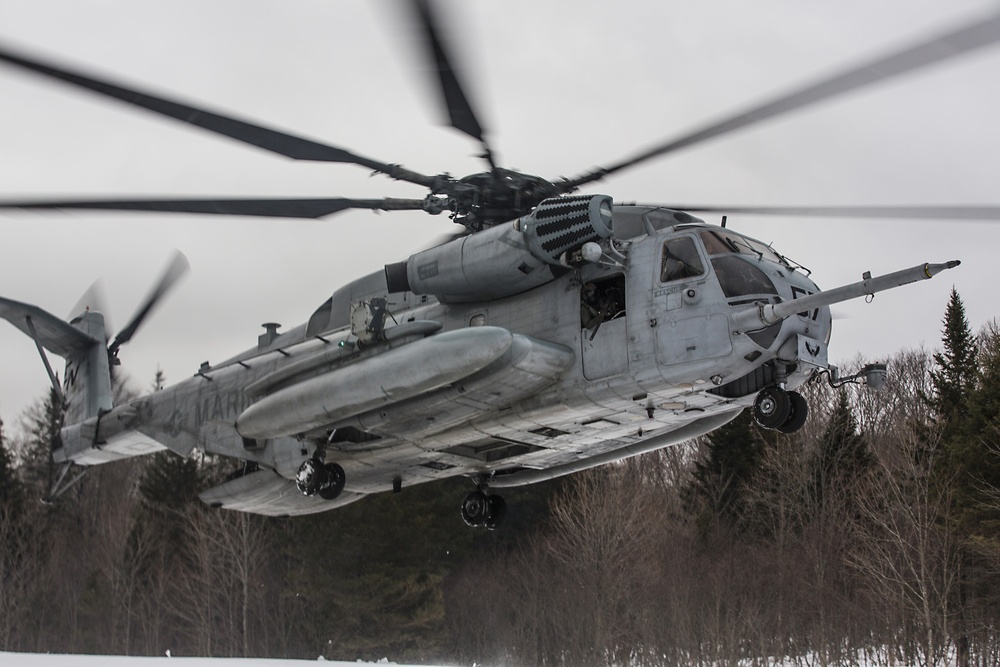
781	410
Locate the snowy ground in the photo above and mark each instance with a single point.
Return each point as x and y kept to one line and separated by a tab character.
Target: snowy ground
55	660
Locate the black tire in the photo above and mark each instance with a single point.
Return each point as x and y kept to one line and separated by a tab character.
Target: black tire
336	478
797	418
497	511
475	509
311	477
772	407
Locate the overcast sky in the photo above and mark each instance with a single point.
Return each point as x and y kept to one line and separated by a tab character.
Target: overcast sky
562	86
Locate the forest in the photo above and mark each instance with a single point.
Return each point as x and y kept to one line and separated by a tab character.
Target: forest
868	537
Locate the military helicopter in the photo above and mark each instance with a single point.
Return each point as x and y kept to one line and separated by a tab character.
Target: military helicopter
559	332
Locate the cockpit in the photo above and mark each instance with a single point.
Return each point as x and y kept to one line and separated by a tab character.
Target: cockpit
731	256
728	254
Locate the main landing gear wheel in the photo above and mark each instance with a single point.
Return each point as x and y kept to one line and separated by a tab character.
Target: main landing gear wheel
479	509
772	407
800	410
498	508
323	479
781	410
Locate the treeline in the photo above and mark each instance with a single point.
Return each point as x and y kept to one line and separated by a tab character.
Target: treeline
870	535
129	561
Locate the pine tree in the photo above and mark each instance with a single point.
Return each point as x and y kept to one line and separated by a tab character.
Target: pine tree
980	492
976	450
732	455
43	422
11	492
958	383
170	481
843	453
956	374
954	383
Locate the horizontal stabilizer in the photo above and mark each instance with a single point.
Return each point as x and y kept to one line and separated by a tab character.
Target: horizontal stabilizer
265	492
55	334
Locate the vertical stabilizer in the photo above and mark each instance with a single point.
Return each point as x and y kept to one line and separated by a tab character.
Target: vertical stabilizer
81	342
87	383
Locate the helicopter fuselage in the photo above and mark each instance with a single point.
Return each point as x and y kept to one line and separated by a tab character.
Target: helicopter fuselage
597	360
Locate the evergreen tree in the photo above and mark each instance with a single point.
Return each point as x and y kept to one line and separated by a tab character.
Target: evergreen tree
10	486
170	481
43	422
956	374
954	383
843	453
959	384
731	457
979	493
976	452
371	576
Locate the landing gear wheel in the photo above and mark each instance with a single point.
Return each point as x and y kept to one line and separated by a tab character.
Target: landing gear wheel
772	407
497	510
799	412
335	480
323	479
476	509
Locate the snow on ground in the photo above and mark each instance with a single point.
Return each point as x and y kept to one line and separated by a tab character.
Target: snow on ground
58	660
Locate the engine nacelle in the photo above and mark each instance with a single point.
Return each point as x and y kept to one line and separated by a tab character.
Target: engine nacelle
506	259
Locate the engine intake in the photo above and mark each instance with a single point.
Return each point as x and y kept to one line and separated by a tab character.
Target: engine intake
564	224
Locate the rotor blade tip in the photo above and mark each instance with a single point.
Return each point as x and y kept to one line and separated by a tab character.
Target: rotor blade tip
180	262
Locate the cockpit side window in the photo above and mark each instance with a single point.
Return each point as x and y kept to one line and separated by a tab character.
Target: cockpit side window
680	260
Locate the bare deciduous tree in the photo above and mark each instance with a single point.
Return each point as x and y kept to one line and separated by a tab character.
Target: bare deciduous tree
905	546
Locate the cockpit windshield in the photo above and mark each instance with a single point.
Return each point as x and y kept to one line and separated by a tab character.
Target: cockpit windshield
723	242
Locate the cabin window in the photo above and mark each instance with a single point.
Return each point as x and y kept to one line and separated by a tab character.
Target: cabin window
680	260
477	320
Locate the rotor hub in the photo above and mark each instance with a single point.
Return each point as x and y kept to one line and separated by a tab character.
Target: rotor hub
489	198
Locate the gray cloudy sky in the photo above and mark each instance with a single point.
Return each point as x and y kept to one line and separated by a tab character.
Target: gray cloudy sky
562	85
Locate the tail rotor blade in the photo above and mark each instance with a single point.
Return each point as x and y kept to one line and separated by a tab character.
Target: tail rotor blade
175	270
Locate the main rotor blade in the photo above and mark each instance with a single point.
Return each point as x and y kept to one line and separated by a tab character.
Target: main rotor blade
271	208
246	132
958	212
981	33
175	270
459	108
